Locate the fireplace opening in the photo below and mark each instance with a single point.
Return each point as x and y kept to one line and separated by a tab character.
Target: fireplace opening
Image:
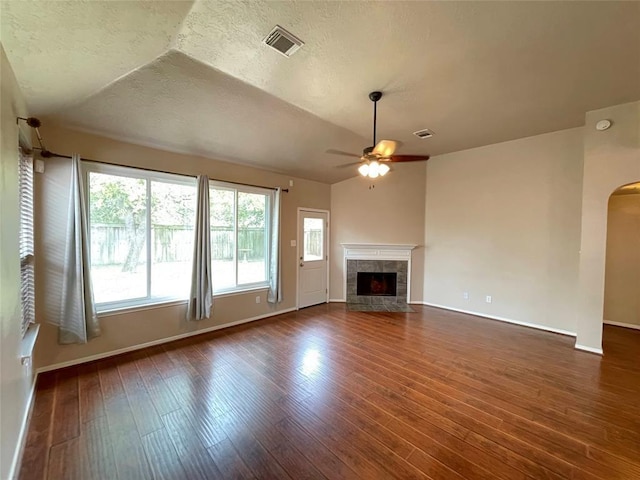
370	283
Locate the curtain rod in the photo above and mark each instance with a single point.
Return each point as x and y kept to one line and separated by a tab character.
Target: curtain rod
35	123
49	154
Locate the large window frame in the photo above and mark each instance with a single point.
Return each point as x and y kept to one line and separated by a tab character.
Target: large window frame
148	176
237	257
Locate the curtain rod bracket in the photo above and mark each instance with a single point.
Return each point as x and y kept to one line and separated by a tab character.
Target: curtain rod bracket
34	123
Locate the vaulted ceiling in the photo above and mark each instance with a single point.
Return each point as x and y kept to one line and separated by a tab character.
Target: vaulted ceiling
196	77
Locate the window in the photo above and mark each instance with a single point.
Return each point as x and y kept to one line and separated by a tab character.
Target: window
239	236
313	239
26	241
141	233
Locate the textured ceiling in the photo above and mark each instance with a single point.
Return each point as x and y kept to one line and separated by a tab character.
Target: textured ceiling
195	76
62	52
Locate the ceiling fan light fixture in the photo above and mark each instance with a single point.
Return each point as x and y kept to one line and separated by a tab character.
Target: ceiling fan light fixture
373	169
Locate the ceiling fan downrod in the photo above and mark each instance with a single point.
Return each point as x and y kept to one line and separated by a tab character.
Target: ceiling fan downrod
374	97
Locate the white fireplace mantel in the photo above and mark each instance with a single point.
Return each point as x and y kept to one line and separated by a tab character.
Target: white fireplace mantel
378	251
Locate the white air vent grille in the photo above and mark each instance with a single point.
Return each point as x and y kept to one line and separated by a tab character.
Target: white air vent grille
426	133
282	41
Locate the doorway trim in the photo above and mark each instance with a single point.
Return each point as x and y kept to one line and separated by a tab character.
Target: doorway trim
298	250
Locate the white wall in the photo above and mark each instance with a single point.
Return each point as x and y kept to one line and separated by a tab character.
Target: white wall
392	212
504	220
622	272
611	159
15	380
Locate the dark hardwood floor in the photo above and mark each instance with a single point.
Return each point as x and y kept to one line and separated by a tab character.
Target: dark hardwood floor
326	393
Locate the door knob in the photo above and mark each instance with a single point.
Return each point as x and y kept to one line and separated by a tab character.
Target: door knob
301	264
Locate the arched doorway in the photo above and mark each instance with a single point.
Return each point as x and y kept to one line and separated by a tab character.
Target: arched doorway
611	159
622	265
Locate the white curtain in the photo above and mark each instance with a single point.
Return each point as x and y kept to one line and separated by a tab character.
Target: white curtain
201	298
78	320
274	295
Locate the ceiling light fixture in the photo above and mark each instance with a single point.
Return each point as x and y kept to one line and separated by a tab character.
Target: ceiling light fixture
373	169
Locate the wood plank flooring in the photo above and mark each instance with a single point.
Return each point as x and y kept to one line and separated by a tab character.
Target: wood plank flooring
326	393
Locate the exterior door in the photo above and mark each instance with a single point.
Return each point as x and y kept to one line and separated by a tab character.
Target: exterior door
313	257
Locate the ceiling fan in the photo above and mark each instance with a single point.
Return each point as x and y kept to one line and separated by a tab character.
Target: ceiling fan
374	159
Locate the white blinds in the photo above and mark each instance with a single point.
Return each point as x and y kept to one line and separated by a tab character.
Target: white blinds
27	276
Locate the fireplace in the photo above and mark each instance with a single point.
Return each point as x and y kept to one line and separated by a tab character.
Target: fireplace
380	284
377	276
377	282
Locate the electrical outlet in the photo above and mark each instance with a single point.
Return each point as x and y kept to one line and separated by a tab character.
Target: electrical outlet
257	298
465	295
488	299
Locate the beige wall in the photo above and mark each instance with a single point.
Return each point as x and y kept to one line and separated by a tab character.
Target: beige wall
392	212
622	271
134	328
504	220
611	159
15	380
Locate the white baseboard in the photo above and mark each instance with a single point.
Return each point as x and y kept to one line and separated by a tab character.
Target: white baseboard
160	341
502	319
621	324
337	300
14	470
589	349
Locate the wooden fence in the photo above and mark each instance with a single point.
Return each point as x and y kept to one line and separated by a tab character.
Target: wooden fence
110	243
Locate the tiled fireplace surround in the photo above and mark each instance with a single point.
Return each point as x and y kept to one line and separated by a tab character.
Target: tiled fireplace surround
378	258
390	266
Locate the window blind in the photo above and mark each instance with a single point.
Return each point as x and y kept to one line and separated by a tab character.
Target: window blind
27	243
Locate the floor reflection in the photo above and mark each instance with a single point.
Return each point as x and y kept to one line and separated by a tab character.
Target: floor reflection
310	362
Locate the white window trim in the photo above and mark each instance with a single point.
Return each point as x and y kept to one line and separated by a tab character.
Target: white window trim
139	303
267	192
172	303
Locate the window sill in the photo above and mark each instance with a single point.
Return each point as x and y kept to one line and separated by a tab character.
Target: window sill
29	343
170	303
240	291
138	308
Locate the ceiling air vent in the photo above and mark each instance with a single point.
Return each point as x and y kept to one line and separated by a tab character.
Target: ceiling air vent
282	41
426	133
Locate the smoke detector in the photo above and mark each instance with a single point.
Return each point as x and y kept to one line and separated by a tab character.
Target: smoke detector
425	133
283	42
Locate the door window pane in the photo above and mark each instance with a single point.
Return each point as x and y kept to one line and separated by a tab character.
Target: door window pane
173	212
313	239
251	238
117	207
